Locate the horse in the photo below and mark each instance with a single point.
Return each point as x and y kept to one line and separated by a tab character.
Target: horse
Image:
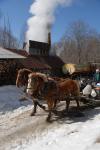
52	91
22	77
22	81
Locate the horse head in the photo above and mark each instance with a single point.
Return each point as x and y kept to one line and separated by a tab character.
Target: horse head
22	77
35	81
41	84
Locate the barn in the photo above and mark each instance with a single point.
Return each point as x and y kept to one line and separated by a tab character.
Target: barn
39	59
36	56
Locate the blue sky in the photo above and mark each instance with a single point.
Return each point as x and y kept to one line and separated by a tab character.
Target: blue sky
18	12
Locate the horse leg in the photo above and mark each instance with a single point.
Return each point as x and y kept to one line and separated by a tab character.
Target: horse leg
35	108
49	116
36	103
41	106
55	103
67	104
50	108
77	102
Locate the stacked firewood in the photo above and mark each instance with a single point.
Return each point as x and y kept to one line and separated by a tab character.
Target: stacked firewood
4	66
8	70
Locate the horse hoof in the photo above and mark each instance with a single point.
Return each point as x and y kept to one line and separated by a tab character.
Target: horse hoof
32	114
23	99
44	107
48	120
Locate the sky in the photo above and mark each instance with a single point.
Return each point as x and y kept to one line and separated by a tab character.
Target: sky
18	13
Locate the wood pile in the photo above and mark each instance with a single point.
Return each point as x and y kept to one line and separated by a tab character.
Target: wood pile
8	71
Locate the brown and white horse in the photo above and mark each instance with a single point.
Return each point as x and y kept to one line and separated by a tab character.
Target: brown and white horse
22	77
51	90
22	81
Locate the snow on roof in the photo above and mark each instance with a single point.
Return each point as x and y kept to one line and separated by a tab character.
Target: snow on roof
4	53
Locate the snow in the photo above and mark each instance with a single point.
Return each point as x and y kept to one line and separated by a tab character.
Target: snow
77	136
9	99
4	53
19	131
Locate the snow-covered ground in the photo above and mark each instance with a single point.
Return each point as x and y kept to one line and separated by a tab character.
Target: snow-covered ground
20	131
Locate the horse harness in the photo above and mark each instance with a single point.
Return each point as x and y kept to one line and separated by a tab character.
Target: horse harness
45	88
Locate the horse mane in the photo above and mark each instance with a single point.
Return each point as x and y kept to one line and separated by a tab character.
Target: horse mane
20	71
38	74
42	75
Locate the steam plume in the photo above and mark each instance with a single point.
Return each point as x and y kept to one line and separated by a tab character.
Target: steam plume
42	18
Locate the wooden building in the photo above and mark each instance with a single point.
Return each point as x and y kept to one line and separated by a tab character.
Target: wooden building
35	57
9	63
38	59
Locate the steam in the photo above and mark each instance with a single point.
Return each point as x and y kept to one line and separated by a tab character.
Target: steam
39	25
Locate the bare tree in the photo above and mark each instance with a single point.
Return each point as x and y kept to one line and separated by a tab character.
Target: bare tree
7	39
80	44
22	35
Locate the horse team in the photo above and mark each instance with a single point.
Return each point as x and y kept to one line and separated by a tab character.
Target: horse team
51	90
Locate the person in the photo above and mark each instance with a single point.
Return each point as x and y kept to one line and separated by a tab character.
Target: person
97	76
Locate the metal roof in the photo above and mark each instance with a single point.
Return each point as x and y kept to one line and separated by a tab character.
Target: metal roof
6	54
